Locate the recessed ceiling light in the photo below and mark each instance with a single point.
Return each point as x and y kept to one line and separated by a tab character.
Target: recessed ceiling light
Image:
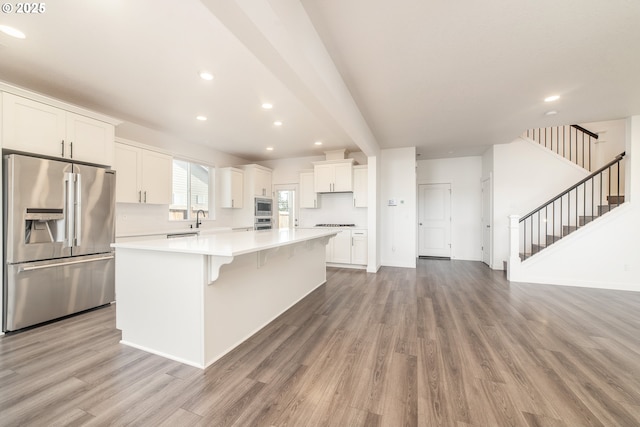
317	143
269	148
267	106
277	123
551	113
552	98
205	75
13	32
201	118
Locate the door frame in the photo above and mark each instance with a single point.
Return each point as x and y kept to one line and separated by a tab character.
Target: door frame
419	200
296	201
489	183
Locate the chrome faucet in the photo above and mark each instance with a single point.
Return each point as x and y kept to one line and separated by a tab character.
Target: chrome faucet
198	222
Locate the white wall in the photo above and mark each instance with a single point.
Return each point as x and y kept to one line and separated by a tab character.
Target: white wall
605	254
287	171
375	226
141	218
525	175
464	174
611	140
398	223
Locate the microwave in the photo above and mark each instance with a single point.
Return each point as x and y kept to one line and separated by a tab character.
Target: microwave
263	207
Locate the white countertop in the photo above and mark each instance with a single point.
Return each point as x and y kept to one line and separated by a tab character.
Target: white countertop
200	231
229	244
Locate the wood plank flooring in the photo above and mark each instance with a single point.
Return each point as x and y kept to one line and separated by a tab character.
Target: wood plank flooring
451	343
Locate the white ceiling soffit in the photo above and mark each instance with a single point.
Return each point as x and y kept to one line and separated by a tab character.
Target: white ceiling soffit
450	75
139	61
280	34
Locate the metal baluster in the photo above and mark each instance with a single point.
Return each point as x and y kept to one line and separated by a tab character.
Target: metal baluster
577	220
592	200
618	195
546	226
583	150
609	187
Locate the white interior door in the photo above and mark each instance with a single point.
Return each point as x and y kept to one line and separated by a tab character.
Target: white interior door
434	220
486	221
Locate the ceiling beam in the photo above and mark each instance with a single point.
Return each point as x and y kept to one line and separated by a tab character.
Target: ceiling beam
280	34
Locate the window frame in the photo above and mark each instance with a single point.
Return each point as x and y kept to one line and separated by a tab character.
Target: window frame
210	190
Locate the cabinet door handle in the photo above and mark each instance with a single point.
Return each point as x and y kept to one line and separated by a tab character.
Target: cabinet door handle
354	202
145	196
140	196
71	150
62	145
231	202
314	203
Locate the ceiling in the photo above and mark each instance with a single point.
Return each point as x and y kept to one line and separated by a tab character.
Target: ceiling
450	78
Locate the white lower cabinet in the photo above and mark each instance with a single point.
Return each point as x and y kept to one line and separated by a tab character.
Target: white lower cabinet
339	248
359	247
348	247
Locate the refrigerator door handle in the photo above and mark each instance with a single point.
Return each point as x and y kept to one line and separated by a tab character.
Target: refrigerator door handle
78	213
81	261
69	209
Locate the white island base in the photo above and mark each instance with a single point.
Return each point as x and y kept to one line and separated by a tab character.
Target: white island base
194	299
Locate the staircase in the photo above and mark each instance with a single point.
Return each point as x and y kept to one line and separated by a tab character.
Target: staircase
577	206
573	142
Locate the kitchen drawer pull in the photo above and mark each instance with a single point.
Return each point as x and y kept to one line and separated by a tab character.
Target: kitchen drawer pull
62	144
60	264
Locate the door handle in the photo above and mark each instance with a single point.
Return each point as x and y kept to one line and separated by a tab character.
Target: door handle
420	223
60	264
145	196
62	144
78	204
71	150
69	210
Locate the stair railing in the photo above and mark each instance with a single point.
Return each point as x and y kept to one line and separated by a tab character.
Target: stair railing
571	209
572	142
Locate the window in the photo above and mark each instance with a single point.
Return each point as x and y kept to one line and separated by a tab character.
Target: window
191	190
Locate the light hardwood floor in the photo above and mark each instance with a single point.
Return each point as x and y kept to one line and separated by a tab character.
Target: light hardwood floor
451	343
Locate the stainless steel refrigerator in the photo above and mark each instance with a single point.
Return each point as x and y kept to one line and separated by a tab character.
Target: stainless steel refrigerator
58	230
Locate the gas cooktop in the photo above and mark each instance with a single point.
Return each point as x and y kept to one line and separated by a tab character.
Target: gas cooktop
335	225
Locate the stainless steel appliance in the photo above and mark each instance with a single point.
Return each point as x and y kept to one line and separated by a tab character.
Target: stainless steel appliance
262	223
263	207
58	230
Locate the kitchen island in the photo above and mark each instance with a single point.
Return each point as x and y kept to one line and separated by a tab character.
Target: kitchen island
196	298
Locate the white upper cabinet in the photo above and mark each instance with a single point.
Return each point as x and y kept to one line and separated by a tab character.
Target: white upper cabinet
360	186
142	176
90	140
38	128
333	176
157	177
308	195
258	181
231	191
